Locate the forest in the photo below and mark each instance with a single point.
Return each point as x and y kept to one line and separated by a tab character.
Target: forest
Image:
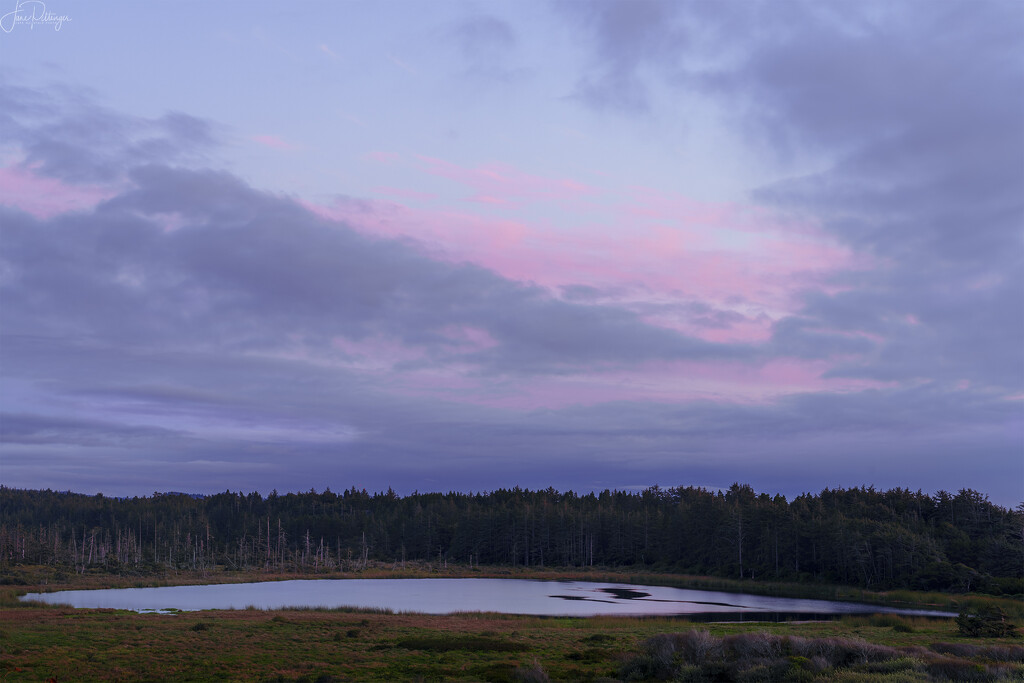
860	536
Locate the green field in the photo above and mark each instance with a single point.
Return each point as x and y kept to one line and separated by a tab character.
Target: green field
40	642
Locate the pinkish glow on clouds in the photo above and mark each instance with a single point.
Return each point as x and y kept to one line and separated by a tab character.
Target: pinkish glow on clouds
46	197
740	257
274	142
671	227
382	157
404	193
662	382
503	184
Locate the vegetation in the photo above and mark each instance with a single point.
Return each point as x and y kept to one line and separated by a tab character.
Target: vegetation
696	655
41	642
879	540
985	622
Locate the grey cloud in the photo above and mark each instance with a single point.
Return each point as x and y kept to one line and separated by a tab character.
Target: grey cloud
486	45
43	430
229	318
802	337
914	110
248	271
627	36
65	134
484	37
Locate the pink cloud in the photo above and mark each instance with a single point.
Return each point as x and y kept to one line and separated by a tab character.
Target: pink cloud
744	260
382	157
404	193
757	277
46	197
484	199
500	183
274	143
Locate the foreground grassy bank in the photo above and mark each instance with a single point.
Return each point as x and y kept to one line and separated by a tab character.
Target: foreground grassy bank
40	642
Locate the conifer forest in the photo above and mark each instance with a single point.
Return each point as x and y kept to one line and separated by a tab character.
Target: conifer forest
861	537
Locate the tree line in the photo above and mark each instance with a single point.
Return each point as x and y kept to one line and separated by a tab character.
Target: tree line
860	536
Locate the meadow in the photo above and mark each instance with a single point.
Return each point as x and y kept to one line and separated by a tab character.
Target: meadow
41	643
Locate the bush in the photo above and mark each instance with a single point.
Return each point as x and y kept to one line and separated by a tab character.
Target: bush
758	645
985	622
964	650
533	673
697	647
1004	653
957	670
892	665
638	668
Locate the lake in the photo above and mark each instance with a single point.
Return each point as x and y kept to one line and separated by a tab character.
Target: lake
445	596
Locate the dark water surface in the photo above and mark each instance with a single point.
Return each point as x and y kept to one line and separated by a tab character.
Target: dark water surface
444	596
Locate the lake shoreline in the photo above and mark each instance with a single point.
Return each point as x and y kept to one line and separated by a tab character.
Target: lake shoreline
447	595
49	579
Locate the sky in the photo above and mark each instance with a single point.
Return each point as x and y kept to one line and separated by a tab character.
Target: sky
462	246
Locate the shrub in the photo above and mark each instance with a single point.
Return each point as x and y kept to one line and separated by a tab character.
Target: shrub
661	650
985	622
697	647
758	645
533	673
637	668
892	665
1004	653
947	668
499	672
847	651
965	650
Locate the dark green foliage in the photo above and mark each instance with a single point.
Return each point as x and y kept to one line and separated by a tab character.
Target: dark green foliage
532	673
638	668
588	655
471	643
876	539
499	672
957	670
985	622
699	657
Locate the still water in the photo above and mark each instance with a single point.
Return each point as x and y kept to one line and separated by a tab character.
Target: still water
444	596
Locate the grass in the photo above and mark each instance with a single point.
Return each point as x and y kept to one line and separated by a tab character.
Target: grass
39	642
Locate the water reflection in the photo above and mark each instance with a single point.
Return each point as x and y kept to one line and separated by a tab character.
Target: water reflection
445	596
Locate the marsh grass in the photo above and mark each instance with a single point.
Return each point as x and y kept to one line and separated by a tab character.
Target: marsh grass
760	656
474	643
897	622
44	641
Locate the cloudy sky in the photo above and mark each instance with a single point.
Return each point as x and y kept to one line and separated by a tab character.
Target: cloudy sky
471	245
